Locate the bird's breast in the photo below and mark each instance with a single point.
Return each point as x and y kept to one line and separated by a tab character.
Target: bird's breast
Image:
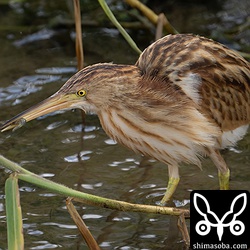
168	144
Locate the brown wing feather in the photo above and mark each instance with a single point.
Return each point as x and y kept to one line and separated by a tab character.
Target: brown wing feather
224	75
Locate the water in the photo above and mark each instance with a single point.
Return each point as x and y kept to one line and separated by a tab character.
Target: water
34	65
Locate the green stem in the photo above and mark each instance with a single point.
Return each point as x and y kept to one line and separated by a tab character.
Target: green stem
14	167
13	214
39	181
118	26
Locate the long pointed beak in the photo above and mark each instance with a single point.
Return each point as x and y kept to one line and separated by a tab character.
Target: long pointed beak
54	103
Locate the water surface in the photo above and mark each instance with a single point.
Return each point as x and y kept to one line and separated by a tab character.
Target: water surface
34	64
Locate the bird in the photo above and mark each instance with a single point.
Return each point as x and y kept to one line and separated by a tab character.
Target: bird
185	98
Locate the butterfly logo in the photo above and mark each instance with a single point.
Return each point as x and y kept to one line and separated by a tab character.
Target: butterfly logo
210	219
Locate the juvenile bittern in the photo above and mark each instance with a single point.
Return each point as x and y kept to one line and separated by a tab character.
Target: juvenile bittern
186	96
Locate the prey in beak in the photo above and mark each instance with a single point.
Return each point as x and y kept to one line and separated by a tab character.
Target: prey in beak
56	102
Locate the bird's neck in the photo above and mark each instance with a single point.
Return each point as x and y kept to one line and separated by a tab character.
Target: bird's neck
114	83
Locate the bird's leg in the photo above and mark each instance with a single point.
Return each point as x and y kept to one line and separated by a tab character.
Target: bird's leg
173	181
224	180
223	170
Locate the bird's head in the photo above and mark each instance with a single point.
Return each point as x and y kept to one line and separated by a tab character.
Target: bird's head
90	89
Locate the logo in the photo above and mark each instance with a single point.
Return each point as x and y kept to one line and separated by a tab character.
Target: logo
220	219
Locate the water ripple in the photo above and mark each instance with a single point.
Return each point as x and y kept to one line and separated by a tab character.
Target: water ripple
82	156
66	226
181	203
47	175
44	245
48	195
35	232
55	125
56	70
42	34
25	86
27	189
91	216
34	80
110	142
92	186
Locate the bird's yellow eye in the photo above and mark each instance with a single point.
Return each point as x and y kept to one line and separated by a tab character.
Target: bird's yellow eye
81	92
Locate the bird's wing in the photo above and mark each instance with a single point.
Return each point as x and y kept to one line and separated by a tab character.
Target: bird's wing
213	76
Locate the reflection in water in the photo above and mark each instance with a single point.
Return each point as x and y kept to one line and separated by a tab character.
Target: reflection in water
43	34
25	86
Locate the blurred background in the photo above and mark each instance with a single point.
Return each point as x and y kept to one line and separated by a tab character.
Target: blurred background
37	55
